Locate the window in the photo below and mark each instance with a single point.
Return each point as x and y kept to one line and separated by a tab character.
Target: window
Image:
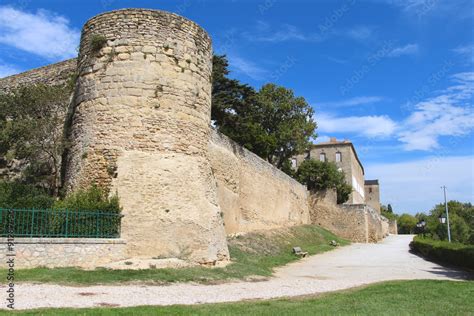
370	190
322	157
308	155
338	157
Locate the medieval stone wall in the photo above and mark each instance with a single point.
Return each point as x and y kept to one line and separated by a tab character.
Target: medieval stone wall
141	126
356	222
54	74
252	193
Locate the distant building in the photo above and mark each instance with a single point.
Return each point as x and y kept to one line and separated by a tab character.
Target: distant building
345	156
372	194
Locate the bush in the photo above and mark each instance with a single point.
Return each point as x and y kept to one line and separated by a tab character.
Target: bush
19	195
456	254
97	42
92	199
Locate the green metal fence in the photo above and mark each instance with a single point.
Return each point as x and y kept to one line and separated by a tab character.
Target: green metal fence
59	223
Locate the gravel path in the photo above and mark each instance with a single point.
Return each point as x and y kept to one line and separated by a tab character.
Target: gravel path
342	268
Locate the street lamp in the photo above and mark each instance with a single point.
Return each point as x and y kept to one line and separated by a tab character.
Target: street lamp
442	219
447	213
421	225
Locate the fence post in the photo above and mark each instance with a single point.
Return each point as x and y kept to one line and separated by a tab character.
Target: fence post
97	225
32	222
66	222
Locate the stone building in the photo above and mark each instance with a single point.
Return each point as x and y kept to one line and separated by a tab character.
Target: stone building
345	156
372	194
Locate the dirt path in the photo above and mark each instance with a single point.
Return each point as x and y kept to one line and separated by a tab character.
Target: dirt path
342	268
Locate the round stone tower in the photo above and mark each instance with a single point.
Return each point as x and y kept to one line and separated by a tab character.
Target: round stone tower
140	127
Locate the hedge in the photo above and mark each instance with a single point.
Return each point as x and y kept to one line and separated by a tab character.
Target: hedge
456	254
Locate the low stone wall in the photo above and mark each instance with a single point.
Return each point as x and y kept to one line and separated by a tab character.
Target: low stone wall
64	252
252	193
345	221
356	222
392	227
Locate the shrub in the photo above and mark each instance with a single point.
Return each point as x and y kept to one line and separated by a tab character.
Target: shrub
97	42
92	199
19	195
456	254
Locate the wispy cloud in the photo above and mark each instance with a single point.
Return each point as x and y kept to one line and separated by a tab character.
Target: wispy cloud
246	67
8	70
466	51
42	33
372	126
448	114
426	175
286	32
360	33
409	49
363	100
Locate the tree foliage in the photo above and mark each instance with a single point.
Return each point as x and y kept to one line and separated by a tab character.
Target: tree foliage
273	123
461	220
318	175
407	224
31	130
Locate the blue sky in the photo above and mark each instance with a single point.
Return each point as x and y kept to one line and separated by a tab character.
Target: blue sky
394	76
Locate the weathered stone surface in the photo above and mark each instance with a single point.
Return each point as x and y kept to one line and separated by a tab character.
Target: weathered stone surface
356	222
64	252
141	127
252	193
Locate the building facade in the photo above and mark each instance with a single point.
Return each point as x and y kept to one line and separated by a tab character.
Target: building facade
345	156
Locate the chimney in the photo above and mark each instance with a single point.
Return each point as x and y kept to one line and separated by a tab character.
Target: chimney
332	140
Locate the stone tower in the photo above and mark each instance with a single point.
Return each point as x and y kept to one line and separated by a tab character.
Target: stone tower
140	127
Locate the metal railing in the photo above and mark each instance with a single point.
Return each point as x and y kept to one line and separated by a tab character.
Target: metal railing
51	223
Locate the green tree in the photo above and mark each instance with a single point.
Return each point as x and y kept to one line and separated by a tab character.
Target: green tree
461	219
273	123
31	130
389	208
318	175
407	224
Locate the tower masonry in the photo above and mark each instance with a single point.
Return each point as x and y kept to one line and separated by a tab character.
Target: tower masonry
140	127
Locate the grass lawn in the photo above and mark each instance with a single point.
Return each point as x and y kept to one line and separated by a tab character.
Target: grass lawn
420	297
254	254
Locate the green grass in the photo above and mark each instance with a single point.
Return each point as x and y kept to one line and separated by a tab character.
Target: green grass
254	254
420	297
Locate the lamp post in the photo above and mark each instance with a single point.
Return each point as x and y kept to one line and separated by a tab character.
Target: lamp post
421	225
447	214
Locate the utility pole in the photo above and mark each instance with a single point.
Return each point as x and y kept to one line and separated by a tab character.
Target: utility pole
447	213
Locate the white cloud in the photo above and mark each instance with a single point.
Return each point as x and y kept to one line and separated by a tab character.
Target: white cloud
466	51
414	186
448	114
368	126
360	33
8	70
287	32
409	49
43	33
246	67
352	102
